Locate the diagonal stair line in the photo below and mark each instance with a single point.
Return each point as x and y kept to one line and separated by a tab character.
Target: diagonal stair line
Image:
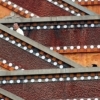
10	95
12	6
8	65
72	7
40	47
80	7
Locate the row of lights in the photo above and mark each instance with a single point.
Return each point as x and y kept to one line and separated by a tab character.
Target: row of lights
83	0
48	80
65	8
33	51
75	47
74	99
20	8
11	64
57	27
85	99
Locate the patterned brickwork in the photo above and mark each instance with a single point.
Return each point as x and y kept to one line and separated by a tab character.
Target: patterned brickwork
66	37
41	8
85	89
21	58
56	90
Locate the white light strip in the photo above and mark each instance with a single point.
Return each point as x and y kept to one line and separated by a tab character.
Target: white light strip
75	47
62	26
20	8
83	0
84	99
32	51
65	8
66	79
10	64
